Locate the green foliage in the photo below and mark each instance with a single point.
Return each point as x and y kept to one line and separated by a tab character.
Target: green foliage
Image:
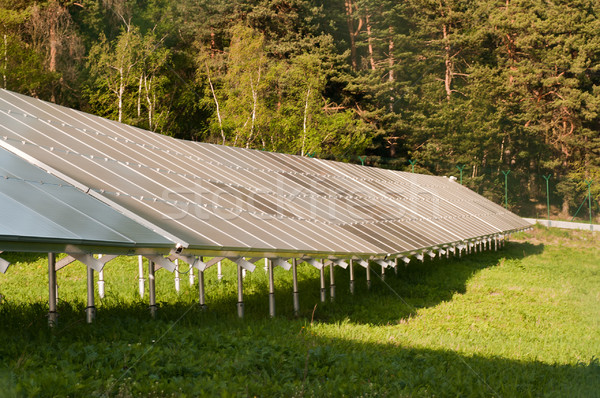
487	84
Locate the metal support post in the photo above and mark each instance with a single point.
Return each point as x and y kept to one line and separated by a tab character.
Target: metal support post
101	281
240	303
322	276
52	315
412	163
152	288
271	288
200	289
219	271
547	178
506	173
296	293
90	310
141	273
382	273
177	275
332	281
191	276
461	168
351	276
368	272
589	184
396	266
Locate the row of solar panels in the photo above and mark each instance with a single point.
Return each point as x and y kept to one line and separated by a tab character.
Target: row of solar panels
75	181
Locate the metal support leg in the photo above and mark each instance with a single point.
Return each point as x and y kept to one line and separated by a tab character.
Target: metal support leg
177	285
240	303
269	264
141	273
219	271
52	315
200	289
332	281
152	288
396	266
495	243
90	310
101	281
382	273
191	276
368	271
351	276
295	287
322	275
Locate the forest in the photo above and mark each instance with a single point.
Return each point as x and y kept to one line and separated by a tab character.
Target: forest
483	87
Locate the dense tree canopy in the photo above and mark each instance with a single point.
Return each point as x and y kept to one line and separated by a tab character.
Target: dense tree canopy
489	85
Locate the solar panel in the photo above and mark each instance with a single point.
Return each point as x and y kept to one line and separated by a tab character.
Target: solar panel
213	199
42	211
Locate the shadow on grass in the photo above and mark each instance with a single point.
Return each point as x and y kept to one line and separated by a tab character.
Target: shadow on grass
188	351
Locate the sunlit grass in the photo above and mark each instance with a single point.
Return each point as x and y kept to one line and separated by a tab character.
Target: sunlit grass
524	321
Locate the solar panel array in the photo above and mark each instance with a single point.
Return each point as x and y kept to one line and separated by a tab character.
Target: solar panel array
217	200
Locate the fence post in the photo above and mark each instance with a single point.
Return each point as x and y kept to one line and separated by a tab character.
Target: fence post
506	173
461	168
412	163
547	178
589	184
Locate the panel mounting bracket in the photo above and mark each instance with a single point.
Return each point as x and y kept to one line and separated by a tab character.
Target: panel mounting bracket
281	262
161	262
242	262
3	265
193	261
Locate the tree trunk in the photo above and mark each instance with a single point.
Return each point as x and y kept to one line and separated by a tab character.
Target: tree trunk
353	32
120	93
212	90
370	42
5	60
139	101
305	119
448	63
391	77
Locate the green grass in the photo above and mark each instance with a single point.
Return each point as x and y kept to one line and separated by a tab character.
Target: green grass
524	322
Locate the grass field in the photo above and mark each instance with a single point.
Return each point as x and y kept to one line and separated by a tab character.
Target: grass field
520	322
